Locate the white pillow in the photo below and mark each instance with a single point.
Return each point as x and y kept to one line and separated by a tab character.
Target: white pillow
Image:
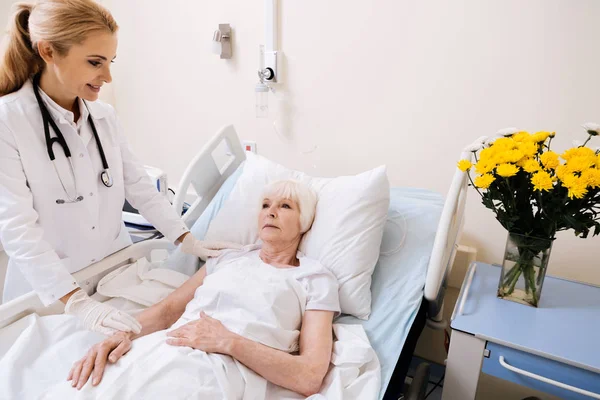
345	236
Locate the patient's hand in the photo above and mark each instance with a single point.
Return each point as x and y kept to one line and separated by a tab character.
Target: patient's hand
110	349
206	334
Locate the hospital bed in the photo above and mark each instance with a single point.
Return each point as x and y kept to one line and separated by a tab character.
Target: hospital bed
409	281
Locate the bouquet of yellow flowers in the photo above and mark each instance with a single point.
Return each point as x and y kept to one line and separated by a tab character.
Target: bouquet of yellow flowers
535	192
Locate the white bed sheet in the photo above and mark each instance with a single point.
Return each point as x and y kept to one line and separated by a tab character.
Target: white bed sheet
399	277
37	363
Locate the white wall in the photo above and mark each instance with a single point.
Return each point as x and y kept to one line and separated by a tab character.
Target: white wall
401	83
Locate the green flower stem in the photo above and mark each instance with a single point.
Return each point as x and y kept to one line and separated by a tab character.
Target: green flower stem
586	142
489	196
540	276
510	274
531	274
512	285
526	275
473	184
512	195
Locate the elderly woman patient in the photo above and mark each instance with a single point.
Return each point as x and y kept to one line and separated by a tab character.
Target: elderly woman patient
248	324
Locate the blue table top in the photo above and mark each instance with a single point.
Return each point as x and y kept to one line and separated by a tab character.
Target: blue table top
565	327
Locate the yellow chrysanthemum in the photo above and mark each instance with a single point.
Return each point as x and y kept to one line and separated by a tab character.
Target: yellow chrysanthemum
464	165
550	160
598	161
591	177
483	167
530	149
487	154
542	181
576	185
568	180
521	137
514	156
561	171
580	164
578	192
578	152
540	137
531	166
507	170
501	157
504	143
484	181
522	162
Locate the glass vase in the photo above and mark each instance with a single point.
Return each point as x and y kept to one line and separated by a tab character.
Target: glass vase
524	269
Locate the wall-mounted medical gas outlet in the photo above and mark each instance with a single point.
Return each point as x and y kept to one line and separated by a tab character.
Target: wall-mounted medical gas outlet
269	61
269	64
249	146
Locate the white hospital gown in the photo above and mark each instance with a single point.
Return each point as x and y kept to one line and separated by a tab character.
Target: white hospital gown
279	295
251	298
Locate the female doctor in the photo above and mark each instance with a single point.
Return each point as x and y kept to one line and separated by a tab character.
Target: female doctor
65	165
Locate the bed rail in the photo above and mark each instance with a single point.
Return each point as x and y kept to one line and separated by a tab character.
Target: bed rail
217	160
445	245
87	278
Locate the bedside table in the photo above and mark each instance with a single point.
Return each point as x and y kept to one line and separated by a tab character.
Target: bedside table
554	348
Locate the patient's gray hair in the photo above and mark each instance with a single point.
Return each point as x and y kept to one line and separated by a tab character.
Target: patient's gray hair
304	196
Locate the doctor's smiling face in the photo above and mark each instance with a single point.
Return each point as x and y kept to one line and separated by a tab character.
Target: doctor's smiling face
82	69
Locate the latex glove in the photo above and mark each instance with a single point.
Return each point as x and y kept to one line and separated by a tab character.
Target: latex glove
99	317
204	250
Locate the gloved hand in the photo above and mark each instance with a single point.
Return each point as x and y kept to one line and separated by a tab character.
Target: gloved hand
204	250
99	317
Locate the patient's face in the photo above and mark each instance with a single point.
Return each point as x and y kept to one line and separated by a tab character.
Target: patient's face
279	220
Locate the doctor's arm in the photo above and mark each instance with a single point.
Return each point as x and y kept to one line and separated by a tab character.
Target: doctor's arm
155	207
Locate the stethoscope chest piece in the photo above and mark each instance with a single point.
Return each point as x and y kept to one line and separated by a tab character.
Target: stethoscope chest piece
106	178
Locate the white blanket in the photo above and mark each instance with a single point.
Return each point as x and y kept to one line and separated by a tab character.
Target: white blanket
37	364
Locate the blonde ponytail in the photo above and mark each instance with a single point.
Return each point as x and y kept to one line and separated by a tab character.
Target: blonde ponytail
62	23
18	60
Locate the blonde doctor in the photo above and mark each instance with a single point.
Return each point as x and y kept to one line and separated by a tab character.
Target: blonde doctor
65	165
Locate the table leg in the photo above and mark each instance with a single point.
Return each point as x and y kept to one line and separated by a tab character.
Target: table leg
463	367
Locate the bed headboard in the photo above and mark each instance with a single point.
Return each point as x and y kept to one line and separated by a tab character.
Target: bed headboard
446	242
206	174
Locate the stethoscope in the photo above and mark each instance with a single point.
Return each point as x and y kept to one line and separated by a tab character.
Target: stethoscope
105	176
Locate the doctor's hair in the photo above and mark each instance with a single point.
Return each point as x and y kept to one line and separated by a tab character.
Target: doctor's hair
62	23
302	194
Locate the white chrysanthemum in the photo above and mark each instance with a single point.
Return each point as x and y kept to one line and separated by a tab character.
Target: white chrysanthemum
475	146
592	128
507	131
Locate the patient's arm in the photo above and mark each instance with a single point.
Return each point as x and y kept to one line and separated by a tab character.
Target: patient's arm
164	313
303	373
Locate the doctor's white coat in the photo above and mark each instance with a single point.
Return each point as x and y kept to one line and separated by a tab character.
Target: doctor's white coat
46	242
